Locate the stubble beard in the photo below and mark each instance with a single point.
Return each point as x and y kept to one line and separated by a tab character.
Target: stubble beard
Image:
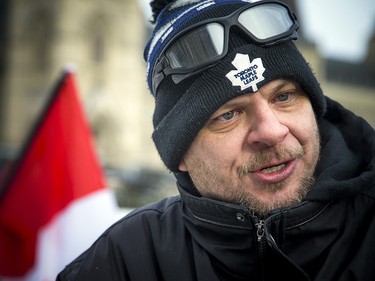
261	208
245	198
240	193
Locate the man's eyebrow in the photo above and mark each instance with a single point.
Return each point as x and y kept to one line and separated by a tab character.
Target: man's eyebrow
282	84
274	89
230	104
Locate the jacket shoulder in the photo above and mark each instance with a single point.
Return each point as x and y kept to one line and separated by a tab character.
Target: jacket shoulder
127	243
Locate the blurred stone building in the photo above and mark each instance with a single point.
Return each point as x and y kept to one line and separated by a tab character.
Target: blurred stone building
104	40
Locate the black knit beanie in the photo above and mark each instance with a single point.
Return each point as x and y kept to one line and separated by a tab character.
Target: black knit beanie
183	109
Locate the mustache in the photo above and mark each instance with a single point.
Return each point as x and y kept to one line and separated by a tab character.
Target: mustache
269	155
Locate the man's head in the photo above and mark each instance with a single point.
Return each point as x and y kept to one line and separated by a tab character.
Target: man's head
184	104
204	54
258	150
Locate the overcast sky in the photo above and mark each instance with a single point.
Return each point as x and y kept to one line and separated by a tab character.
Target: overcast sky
341	29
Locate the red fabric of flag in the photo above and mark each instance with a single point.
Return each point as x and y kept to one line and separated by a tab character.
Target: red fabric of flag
57	166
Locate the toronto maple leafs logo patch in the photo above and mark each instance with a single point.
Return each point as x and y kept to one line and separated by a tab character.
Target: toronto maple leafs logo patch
248	74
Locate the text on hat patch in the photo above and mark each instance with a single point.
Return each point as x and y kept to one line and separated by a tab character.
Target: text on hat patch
247	74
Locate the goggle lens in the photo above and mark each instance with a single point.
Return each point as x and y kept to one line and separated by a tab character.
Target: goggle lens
267	21
197	47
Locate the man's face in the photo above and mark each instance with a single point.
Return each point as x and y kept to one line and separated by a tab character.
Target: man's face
259	150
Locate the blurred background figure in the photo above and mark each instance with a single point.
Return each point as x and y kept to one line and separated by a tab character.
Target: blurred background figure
104	41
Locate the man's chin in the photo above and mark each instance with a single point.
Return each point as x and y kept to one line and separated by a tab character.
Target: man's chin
274	196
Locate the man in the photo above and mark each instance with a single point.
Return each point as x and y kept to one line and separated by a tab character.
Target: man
276	180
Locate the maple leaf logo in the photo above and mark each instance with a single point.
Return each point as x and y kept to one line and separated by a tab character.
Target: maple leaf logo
247	74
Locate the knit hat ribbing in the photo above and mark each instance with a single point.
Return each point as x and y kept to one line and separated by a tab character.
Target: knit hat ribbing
183	109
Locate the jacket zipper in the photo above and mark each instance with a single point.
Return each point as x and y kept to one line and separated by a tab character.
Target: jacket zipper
261	247
260	230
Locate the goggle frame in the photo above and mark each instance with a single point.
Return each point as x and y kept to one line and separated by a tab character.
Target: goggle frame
162	67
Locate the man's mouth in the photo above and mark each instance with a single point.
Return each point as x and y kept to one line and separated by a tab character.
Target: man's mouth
272	166
274	173
272	169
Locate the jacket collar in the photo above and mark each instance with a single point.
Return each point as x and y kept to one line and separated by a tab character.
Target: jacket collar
220	213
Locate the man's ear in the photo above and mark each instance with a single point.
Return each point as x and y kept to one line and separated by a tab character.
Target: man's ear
182	166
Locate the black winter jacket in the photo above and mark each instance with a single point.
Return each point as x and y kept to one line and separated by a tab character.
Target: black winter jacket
329	236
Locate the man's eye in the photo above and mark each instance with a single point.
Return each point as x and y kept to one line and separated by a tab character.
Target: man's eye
283	97
227	116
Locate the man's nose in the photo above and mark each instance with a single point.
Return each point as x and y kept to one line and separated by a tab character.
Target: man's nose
266	129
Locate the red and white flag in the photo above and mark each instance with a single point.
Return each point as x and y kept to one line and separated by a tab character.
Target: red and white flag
55	202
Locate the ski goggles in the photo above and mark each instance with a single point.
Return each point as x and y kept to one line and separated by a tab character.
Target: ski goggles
199	46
